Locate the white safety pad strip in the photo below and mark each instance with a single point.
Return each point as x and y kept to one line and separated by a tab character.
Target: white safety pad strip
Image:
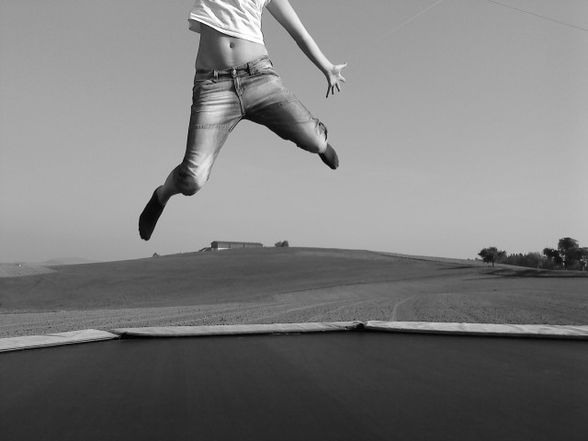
62	338
273	328
490	329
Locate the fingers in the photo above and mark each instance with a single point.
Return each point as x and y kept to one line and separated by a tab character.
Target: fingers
331	89
334	79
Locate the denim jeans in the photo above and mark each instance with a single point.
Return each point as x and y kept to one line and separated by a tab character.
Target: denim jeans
220	99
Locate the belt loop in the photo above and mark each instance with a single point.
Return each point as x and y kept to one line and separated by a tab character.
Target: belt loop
249	70
215	74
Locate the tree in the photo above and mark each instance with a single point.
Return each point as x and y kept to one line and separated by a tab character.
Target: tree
531	260
491	255
584	259
552	256
569	251
283	243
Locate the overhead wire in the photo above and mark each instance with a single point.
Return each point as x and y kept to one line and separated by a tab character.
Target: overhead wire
414	17
495	2
544	17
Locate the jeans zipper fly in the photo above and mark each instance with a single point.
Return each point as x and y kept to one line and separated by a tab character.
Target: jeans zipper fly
238	89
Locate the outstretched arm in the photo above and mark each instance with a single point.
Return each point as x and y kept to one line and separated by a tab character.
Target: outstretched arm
283	12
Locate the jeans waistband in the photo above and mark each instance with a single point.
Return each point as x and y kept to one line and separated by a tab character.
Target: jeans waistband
250	68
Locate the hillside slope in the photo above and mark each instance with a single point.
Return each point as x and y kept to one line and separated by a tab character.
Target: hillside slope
243	275
286	285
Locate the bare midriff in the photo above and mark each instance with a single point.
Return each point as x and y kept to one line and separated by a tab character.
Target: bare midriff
221	51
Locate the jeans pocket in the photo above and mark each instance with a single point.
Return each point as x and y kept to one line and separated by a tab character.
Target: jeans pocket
266	70
202	84
204	81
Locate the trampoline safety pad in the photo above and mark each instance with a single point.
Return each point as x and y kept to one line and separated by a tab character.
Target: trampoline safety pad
57	339
474	329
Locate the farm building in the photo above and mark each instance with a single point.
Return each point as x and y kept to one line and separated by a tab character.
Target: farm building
225	245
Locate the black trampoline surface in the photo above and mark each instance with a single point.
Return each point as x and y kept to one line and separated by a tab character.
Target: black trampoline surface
323	386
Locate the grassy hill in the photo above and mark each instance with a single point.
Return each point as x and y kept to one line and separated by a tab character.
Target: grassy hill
286	285
244	275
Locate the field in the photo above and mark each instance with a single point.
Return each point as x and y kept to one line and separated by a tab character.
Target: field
283	285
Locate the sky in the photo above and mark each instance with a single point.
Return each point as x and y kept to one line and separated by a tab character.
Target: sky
462	128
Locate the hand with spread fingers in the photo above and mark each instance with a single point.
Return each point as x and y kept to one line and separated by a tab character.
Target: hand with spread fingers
334	77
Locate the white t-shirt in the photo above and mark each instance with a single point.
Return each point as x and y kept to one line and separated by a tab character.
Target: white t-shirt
237	18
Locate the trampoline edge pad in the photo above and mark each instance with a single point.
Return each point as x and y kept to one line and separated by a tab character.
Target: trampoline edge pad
58	339
488	329
480	329
218	330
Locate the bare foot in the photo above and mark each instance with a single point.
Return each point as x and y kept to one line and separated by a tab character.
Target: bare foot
329	157
150	216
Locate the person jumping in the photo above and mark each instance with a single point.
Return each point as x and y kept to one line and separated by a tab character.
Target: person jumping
235	80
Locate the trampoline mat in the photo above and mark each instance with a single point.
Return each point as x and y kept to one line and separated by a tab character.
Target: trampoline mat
327	386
